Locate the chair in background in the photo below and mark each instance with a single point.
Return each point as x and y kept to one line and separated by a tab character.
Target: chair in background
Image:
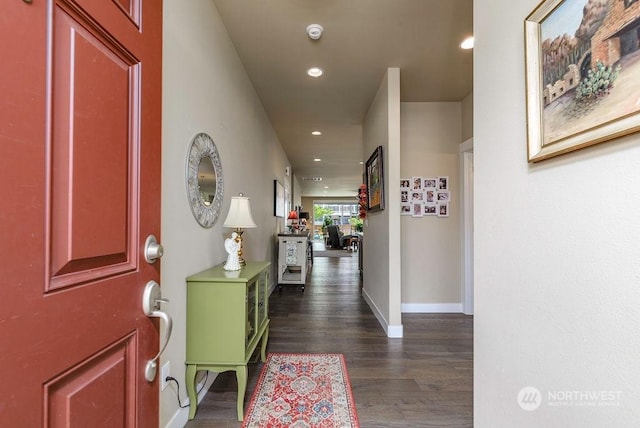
338	240
334	236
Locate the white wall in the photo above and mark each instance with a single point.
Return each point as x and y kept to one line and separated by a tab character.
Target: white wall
557	245
431	245
467	117
205	89
382	281
296	197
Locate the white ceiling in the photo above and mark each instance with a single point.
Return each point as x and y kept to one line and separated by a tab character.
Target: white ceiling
361	39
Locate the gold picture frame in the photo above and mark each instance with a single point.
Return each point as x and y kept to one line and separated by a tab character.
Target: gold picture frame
582	74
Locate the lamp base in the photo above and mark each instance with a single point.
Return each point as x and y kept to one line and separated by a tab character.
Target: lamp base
230	267
232	246
239	231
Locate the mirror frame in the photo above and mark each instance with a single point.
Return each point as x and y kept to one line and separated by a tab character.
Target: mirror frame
202	146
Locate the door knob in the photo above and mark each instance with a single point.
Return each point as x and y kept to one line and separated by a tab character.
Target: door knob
151	300
152	249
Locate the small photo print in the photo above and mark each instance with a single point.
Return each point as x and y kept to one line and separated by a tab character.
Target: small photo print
443	210
405	209
429	183
443	196
405	183
443	183
430	209
404	196
430	196
417	196
416	183
416	209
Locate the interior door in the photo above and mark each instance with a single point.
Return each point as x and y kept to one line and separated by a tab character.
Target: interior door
80	114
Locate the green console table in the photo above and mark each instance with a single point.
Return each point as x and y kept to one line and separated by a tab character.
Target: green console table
227	315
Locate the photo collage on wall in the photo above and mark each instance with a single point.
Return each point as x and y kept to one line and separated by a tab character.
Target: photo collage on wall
425	196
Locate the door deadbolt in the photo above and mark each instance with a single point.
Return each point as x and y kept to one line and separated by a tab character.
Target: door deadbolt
152	249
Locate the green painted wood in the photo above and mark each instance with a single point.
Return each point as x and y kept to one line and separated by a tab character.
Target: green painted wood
227	316
218	274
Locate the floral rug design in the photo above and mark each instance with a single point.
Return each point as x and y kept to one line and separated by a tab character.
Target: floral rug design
302	391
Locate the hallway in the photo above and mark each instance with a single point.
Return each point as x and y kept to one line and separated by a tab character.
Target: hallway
422	380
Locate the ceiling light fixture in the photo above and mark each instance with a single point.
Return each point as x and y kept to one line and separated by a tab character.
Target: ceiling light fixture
467	43
314	31
316	133
317	160
315	72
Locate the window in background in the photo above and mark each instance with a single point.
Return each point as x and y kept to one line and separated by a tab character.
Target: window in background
339	213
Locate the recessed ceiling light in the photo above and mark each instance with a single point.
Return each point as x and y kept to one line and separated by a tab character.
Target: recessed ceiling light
467	43
317	160
315	72
326	187
361	162
316	133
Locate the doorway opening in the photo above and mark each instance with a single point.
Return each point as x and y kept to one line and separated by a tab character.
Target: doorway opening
345	215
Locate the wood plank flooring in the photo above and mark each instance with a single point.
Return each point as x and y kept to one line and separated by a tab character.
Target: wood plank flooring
422	380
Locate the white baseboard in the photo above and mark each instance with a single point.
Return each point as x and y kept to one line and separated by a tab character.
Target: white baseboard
181	417
396	331
431	308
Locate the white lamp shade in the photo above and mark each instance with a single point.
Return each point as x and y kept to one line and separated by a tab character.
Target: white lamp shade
240	213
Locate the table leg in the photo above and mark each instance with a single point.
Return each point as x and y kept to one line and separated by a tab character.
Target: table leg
263	347
241	376
191	389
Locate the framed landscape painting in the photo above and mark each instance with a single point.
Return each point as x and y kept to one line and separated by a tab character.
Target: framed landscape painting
374	176
582	74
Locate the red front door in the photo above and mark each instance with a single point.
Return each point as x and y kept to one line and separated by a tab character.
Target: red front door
80	122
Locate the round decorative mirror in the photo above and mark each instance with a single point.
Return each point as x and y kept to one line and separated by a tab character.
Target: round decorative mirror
205	185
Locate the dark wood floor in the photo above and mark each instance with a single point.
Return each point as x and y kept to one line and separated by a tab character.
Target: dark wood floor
422	380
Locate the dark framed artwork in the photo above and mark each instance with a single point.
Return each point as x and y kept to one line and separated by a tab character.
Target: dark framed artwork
581	74
374	173
278	199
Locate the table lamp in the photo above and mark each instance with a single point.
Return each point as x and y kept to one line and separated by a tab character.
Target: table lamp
293	216
240	218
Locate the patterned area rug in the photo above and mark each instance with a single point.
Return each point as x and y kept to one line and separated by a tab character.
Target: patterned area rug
302	391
